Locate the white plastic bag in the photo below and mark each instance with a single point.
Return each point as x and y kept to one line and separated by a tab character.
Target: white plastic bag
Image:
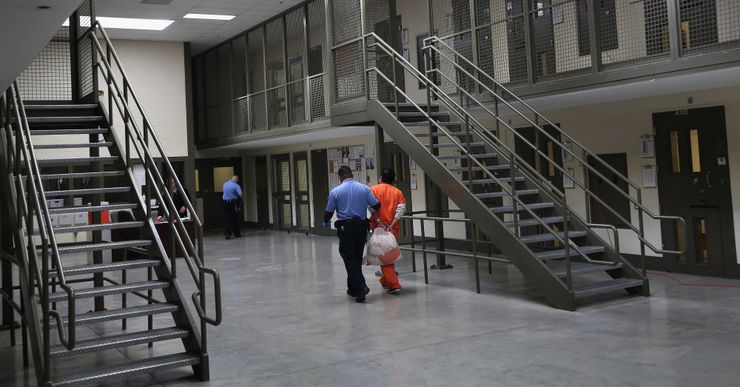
381	248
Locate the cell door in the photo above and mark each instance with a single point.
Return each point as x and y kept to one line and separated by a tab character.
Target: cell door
546	145
281	194
395	158
694	183
261	187
302	199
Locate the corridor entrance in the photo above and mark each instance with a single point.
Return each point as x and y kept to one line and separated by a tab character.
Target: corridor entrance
694	183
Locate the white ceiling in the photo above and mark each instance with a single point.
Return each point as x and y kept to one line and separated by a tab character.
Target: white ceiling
201	33
24	31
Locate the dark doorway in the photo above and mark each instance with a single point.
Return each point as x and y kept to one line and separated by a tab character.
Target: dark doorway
390	32
320	185
547	146
698	23
212	174
302	199
599	184
261	186
516	41
543	38
395	158
282	197
694	183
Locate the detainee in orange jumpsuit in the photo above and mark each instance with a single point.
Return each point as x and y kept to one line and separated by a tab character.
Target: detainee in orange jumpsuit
392	208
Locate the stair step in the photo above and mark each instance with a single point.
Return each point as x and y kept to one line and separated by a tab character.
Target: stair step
56	132
533	222
81	175
451	145
107	207
560	253
495	195
77	160
94	227
128	369
477	156
405	106
77	106
425	124
65	119
101	268
108	290
582	268
71	146
419	115
520	208
87	246
498	167
87	191
120	314
605	286
493	181
118	341
550	237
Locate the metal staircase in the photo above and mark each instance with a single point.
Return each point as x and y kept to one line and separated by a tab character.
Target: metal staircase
528	218
71	151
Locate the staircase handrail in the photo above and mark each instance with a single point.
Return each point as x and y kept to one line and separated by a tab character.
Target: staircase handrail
25	151
193	257
637	202
431	86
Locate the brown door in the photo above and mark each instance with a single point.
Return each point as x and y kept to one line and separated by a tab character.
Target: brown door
282	198
694	183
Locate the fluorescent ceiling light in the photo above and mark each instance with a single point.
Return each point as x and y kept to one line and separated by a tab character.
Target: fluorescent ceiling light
126	23
208	16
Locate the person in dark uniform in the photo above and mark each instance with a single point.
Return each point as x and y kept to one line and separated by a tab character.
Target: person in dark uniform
350	199
178	198
232	205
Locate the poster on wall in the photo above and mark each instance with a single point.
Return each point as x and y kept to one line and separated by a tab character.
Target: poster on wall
359	158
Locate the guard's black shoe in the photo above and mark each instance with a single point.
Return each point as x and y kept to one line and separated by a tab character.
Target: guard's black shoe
361	297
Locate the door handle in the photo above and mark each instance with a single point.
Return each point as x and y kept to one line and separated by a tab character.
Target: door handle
708	174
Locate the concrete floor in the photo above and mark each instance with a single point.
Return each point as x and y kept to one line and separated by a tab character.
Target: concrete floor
288	322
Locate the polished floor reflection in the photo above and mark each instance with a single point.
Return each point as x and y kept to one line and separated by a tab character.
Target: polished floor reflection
288	322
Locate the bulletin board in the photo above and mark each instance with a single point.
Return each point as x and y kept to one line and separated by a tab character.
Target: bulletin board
359	158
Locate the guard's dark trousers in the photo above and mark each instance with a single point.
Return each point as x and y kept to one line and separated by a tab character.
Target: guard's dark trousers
231	217
352	237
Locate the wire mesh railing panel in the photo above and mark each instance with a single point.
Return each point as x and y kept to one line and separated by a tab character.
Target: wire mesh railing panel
450	16
707	24
378	18
296	103
316	35
318	101
632	32
346	20
257	112
348	72
239	66
241	115
274	54
49	76
295	44
255	57
557	39
278	116
85	50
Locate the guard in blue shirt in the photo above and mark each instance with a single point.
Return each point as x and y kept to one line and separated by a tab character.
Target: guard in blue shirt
350	200
232	205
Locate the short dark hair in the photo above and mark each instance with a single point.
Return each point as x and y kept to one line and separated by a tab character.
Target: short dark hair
344	171
387	176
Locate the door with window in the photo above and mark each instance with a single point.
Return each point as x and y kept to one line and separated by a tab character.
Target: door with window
281	194
396	159
302	200
694	183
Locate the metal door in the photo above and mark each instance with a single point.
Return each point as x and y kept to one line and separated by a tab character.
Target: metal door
302	199
281	193
694	183
261	185
396	159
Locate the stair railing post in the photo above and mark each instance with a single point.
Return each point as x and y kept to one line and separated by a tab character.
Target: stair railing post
126	119
470	157
475	256
110	81
566	240
413	244
424	253
642	234
514	198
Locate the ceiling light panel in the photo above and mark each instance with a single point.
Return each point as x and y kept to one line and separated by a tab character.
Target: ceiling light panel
208	16
125	23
